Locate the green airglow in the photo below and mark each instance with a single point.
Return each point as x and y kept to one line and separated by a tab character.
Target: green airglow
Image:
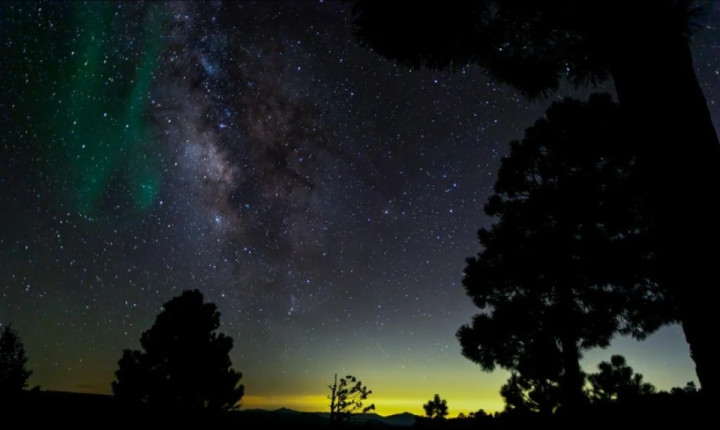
108	144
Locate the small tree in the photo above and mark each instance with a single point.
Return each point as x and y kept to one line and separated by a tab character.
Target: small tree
346	397
185	364
13	373
689	388
436	408
616	381
524	395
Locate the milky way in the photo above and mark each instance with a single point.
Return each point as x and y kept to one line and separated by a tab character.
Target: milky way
324	198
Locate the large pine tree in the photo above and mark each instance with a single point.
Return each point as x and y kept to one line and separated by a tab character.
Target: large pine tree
185	364
568	262
643	46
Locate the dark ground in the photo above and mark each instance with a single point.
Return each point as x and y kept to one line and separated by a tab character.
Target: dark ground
89	411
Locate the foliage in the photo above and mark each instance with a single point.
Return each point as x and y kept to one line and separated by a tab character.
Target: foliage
346	397
562	269
13	371
524	395
185	365
436	408
644	47
531	45
689	388
616	381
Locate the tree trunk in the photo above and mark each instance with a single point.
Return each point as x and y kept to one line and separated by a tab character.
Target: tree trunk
678	151
572	377
334	403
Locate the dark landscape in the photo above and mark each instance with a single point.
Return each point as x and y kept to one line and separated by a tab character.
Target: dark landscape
94	411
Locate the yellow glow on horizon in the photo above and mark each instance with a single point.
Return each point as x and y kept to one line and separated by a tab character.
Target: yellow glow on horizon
397	386
389	405
307	403
383	405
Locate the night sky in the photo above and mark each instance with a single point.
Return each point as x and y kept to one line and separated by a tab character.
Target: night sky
323	197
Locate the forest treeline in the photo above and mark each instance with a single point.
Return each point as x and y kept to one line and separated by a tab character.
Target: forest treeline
183	376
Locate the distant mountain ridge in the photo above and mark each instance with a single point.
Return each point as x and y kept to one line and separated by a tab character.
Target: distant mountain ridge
404	419
64	404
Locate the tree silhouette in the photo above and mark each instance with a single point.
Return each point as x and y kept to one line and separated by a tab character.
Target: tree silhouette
689	388
436	408
562	269
643	46
185	364
534	386
524	395
346	397
13	371
616	381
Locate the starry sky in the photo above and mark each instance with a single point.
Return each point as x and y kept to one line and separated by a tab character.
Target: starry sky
324	198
